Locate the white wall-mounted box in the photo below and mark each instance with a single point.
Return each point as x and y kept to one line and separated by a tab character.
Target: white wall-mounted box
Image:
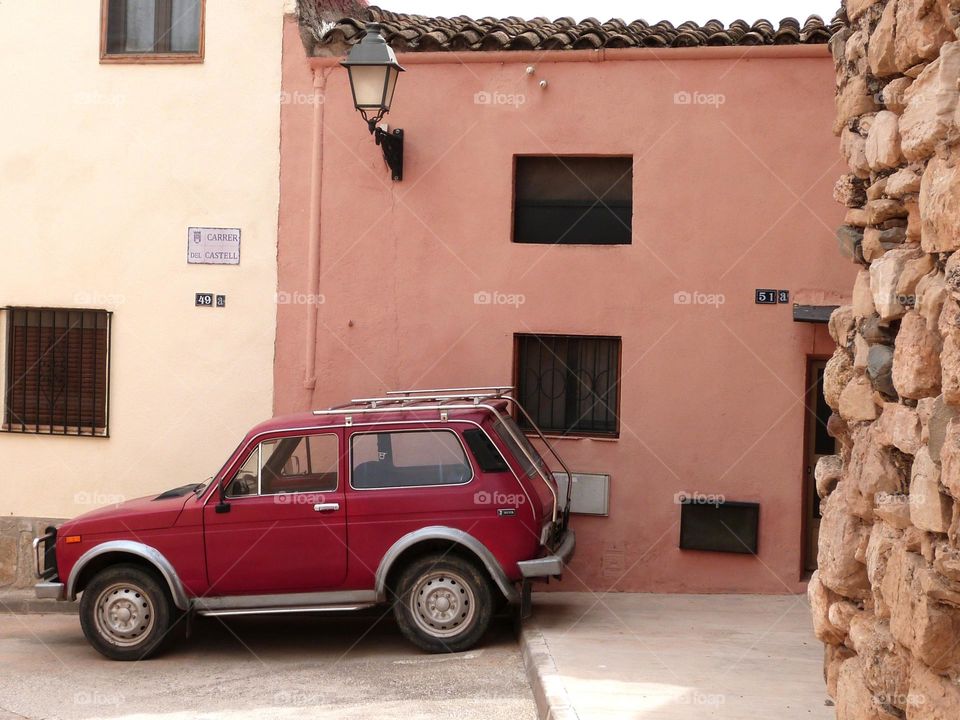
590	494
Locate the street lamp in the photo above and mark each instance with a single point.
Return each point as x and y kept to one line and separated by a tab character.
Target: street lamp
373	69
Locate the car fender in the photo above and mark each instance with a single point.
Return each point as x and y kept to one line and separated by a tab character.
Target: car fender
140	550
441	532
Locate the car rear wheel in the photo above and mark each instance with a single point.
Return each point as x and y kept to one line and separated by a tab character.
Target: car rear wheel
443	604
126	612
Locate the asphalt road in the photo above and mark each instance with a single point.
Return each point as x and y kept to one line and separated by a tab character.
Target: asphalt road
267	667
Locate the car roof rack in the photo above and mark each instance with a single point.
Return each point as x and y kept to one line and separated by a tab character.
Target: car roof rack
428	399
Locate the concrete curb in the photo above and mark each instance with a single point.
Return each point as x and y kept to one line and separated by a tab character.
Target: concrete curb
22	602
549	692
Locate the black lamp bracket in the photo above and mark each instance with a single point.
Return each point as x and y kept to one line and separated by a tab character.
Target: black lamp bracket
392	145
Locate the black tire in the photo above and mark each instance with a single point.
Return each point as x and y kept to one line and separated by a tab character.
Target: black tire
126	612
444	603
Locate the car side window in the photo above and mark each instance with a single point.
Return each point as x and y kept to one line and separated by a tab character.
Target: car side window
408	458
245	481
302	463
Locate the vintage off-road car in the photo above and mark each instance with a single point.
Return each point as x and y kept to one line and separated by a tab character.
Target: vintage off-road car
432	500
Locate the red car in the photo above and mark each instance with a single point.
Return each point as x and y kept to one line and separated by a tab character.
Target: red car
434	501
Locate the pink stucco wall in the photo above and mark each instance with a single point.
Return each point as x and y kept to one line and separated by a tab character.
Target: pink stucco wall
727	199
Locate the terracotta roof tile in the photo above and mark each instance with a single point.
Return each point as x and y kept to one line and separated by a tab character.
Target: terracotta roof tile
417	33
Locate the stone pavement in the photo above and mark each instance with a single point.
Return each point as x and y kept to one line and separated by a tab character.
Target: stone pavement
661	657
24	600
284	667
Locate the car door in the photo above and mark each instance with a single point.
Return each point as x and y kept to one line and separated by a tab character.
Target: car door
284	525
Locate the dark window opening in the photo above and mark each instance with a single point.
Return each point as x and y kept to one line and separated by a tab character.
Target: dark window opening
573	200
57	371
488	457
153	27
719	526
569	383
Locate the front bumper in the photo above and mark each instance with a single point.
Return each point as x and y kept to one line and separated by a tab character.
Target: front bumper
551	565
50	591
45	559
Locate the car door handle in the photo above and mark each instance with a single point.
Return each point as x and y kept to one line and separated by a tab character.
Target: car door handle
326	507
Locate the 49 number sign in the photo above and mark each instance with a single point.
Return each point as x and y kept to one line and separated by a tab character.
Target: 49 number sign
210	300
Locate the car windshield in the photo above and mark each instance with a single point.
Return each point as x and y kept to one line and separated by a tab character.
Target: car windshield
503	427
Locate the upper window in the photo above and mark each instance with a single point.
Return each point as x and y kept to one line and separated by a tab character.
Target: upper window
304	463
57	371
568	383
573	200
152	31
408	459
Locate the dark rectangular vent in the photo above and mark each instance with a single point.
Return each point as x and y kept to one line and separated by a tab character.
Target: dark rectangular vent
719	526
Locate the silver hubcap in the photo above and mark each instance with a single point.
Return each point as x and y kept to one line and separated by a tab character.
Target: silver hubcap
442	604
124	614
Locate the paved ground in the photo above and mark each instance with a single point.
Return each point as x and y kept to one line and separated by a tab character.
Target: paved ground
276	667
666	657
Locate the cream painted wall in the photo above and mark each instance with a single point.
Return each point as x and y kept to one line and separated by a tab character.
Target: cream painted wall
102	169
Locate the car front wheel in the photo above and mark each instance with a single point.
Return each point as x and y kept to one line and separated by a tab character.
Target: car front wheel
443	604
125	612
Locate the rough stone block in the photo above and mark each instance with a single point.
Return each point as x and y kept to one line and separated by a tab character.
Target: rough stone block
899	427
883	142
840	535
852	100
827	473
905	181
930	104
932	696
836	375
883	538
884	277
916	358
920	32
821	598
881	49
858	401
940	204
930	509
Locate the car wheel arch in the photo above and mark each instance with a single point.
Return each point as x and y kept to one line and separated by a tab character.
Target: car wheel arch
446	539
126	551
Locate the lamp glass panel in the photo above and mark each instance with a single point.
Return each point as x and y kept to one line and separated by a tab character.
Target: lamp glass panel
391	86
368	84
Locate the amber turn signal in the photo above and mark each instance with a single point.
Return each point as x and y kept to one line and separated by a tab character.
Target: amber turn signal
70	539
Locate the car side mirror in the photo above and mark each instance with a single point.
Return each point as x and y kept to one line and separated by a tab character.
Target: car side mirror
222	505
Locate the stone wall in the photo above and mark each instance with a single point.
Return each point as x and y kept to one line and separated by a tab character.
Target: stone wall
17	564
886	597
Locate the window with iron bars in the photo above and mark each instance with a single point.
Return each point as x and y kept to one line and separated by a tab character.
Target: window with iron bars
569	383
57	378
